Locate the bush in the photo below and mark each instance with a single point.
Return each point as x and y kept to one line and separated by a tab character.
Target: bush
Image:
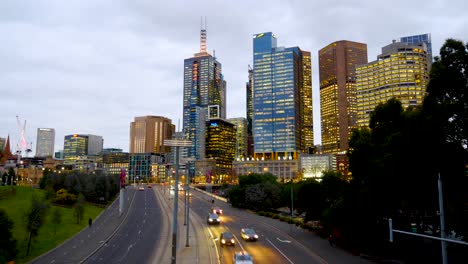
65	198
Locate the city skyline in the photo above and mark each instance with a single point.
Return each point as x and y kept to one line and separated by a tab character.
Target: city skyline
82	67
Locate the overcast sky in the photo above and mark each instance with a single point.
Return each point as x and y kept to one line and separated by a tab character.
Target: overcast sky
91	66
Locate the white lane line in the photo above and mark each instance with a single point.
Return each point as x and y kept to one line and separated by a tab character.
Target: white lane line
214	243
52	261
238	242
280	251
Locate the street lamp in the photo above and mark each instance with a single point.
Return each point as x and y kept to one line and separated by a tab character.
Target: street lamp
177	143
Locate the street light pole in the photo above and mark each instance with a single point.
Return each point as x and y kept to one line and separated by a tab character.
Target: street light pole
177	144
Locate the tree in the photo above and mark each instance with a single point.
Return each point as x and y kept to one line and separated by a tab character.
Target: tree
8	250
35	218
262	196
11	176
78	208
56	219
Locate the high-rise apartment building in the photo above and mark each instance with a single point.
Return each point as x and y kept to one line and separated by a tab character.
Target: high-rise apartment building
241	136
282	99
401	72
147	134
204	86
78	145
45	142
338	109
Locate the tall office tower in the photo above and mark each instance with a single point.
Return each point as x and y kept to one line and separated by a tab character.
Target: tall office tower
2	143
337	70
45	142
401	71
418	40
241	136
76	146
147	134
221	144
203	86
249	106
306	113
281	99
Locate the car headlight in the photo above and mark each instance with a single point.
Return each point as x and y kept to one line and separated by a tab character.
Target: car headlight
211	220
232	241
256	236
223	241
218	220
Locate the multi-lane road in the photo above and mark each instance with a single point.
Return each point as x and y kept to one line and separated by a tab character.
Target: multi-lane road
144	235
139	239
278	242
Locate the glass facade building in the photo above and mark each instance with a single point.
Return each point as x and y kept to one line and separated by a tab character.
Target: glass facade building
338	107
45	142
74	147
249	108
221	144
417	40
281	102
204	86
147	134
241	136
401	72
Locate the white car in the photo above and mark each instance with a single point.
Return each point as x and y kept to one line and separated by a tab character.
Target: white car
242	257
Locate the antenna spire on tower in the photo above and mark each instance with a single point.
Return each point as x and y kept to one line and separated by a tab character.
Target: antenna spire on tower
203	37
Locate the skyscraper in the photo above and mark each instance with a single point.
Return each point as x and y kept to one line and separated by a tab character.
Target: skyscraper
79	145
241	136
249	108
338	110
282	99
204	85
147	134
221	144
401	71
45	142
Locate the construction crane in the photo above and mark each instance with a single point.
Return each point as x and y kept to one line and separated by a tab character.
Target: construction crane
22	145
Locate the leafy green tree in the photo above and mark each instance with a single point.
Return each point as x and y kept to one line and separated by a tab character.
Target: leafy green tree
56	219
308	199
262	196
8	250
35	218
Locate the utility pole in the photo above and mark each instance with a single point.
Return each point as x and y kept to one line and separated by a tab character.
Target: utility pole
442	222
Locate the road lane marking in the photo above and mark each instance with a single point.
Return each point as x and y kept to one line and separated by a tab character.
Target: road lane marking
279	251
283	241
52	261
214	243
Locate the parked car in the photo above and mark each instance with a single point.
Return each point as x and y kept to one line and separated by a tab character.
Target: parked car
227	239
213	219
242	257
248	234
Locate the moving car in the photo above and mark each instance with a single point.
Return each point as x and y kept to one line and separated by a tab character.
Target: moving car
248	234
242	257
217	210
213	219
227	239
141	188
149	186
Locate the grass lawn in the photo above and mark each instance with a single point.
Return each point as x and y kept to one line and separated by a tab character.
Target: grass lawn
16	206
